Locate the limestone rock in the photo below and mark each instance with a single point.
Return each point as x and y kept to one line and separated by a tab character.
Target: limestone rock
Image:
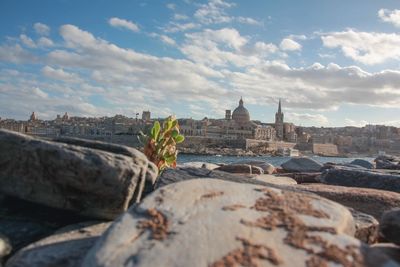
92	181
221	223
64	249
366	227
278	180
388	162
389	249
304	177
390	226
170	176
267	167
5	247
363	163
370	201
198	164
301	164
361	178
240	168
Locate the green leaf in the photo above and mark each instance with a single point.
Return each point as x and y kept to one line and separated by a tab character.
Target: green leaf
155	131
179	139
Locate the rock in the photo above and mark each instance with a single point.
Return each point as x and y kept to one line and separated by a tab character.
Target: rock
208	166
384	164
370	201
221	223
279	180
63	249
170	176
390	226
366	227
304	177
5	247
301	164
24	222
389	249
361	178
93	182
363	163
240	168
267	167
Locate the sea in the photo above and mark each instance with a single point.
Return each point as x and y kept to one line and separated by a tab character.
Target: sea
276	161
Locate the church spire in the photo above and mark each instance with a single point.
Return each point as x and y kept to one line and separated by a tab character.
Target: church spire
279	107
241	101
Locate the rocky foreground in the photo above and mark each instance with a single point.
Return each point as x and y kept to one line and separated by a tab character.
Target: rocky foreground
72	202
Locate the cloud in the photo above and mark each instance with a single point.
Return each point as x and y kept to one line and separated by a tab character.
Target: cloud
246	20
180	17
164	38
122	23
390	16
27	41
41	29
350	122
45	42
306	118
289	45
173	27
60	74
15	54
171	6
214	12
39	93
369	48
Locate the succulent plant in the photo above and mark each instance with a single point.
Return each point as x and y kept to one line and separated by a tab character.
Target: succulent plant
160	143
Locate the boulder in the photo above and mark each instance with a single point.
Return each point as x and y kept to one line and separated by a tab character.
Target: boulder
221	223
278	180
240	168
366	227
385	164
66	248
97	179
197	164
304	177
390	226
267	167
301	164
170	176
361	178
5	247
389	249
370	201
363	163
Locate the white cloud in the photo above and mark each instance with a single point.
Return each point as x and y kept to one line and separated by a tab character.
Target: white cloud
250	21
122	23
164	38
350	122
306	118
15	54
180	17
390	16
39	93
41	29
214	12
289	45
27	41
45	42
366	47
173	27
60	74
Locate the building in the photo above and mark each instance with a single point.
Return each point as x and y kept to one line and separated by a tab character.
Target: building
279	123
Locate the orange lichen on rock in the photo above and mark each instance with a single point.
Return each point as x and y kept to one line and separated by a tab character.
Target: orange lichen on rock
212	194
233	207
249	255
158	224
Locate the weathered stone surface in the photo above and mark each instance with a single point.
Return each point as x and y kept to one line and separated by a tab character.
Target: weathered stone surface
390	226
229	224
5	247
267	167
366	227
198	164
361	178
93	182
279	180
388	162
363	163
302	164
170	176
370	201
304	177
240	168
24	222
63	249
389	249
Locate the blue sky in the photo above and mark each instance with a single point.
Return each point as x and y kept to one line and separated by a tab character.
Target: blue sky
333	63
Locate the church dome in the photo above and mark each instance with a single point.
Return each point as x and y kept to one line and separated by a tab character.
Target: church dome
241	114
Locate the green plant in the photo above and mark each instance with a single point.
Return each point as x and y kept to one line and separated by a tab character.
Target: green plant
160	143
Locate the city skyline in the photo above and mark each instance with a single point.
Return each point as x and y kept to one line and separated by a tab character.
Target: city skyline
195	59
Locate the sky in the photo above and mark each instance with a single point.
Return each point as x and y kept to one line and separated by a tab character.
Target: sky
333	63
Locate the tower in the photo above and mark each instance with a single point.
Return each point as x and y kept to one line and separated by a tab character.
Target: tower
228	114
279	122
